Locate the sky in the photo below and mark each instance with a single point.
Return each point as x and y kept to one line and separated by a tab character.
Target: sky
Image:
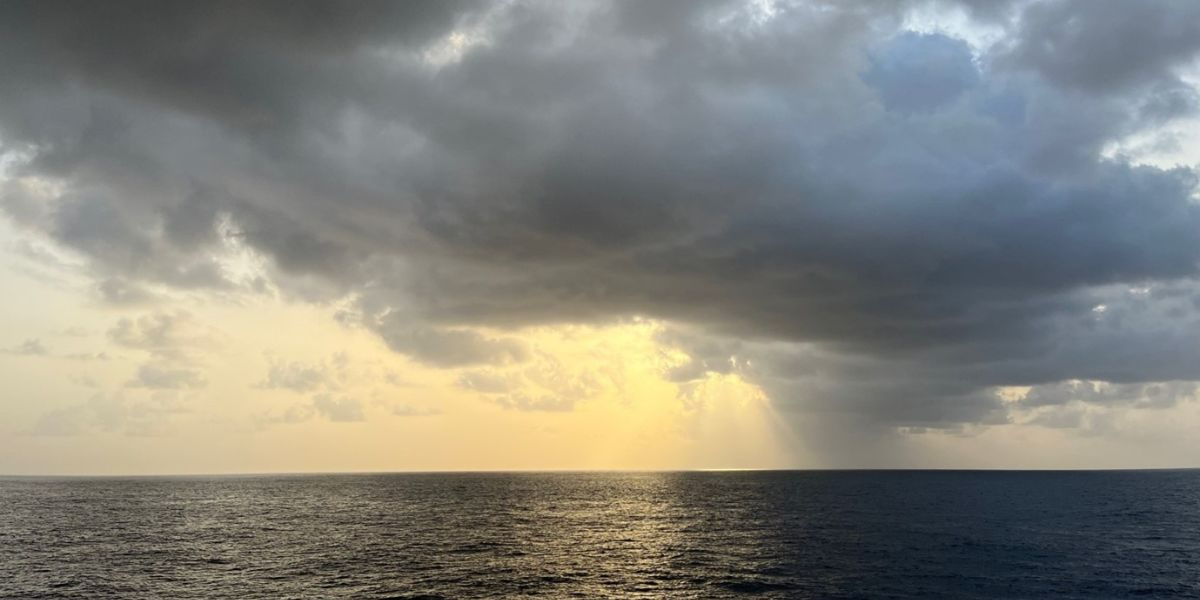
438	235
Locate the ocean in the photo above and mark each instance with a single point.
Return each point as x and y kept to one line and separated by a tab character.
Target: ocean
771	534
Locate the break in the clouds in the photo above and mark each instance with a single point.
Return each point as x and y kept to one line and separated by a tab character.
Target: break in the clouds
866	214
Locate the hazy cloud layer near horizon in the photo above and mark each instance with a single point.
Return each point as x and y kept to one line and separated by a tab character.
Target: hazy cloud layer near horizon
867	217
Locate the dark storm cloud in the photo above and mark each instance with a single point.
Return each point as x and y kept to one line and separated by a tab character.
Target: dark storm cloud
1107	45
239	63
1156	394
449	347
890	222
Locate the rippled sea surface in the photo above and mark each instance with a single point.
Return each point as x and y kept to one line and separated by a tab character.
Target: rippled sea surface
891	534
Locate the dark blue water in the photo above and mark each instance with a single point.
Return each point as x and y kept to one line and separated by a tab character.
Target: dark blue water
892	534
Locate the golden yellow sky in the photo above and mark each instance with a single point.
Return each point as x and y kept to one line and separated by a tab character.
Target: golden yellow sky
283	386
273	386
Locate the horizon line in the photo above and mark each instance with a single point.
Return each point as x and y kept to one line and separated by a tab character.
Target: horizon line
585	471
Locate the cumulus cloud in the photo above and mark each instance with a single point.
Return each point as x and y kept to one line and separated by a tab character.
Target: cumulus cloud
339	409
488	382
176	343
36	347
112	413
168	377
407	410
118	292
88	356
299	376
524	401
545	382
865	220
167	335
335	386
29	347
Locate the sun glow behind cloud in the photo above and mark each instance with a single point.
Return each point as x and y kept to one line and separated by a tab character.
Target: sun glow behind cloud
284	387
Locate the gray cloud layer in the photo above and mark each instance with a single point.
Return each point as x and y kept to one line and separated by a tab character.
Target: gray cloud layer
889	222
